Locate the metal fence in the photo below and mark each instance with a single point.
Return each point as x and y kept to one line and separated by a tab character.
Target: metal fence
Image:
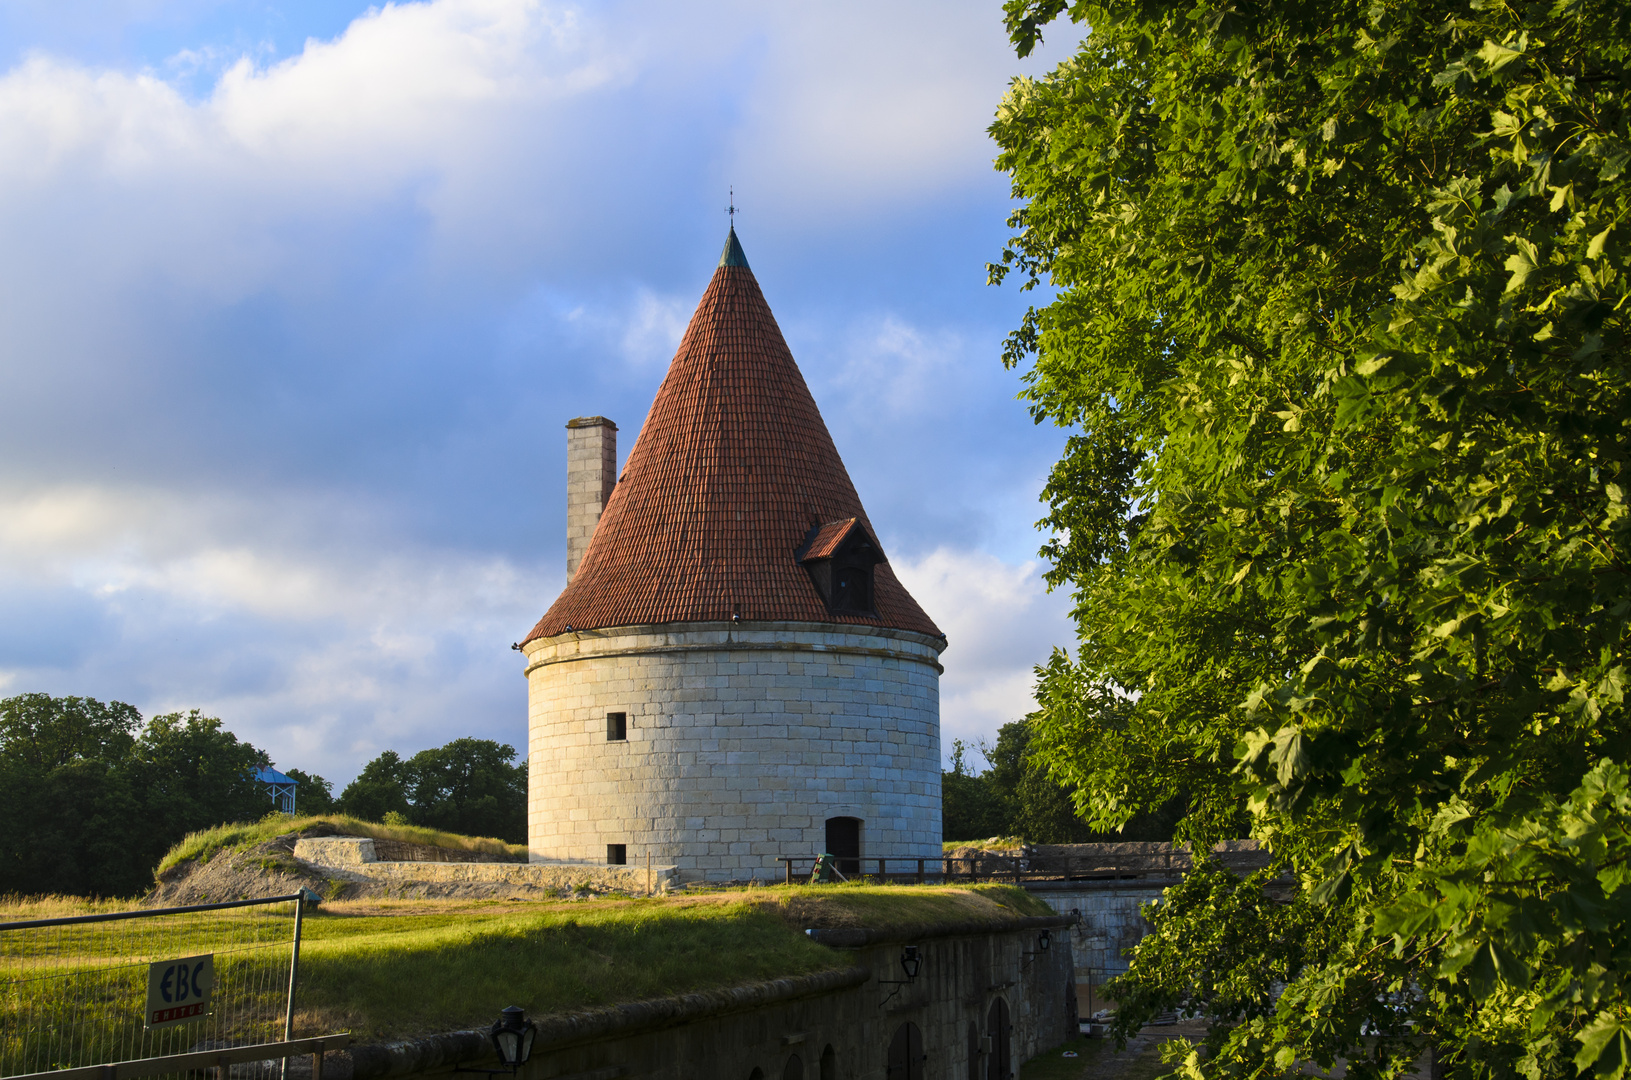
92	990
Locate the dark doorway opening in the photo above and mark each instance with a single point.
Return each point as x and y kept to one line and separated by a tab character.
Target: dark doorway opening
844	844
998	1029
906	1053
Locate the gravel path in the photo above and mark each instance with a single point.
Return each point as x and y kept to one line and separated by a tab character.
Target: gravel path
1098	1059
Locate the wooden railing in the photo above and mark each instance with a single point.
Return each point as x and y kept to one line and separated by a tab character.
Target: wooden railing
945	870
1063	862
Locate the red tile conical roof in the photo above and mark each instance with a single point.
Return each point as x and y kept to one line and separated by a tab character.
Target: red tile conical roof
732	469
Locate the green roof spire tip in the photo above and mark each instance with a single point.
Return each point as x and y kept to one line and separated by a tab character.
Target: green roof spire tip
733	255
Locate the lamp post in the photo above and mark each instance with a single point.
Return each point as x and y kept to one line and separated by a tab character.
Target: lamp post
512	1036
910	964
1044	940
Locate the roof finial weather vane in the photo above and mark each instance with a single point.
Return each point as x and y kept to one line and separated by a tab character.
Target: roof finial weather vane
731	209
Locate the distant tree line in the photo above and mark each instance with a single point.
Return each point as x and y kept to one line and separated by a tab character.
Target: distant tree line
469	786
1016	796
91	797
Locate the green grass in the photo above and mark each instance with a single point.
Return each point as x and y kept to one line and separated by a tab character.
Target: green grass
202	846
893	906
1097	1059
994	843
468	961
389	968
464	967
91	978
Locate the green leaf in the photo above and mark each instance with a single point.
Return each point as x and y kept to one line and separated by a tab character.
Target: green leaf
1595	248
1523	263
1496	57
1605	1047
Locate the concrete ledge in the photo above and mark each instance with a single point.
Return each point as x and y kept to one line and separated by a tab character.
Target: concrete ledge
838	639
353	859
455	1048
861	937
538	875
336	850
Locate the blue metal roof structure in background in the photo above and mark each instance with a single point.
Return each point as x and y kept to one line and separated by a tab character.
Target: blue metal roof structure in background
283	788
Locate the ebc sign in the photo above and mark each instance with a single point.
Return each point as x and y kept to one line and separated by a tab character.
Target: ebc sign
179	990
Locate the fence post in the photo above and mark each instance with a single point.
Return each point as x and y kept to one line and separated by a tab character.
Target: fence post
920	871
294	971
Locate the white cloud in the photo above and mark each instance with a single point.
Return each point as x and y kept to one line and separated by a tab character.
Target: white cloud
225	484
330	650
1000	622
652	330
898	366
252	186
865	103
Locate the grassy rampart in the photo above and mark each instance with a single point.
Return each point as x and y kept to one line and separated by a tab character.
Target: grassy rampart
995	843
388	968
201	846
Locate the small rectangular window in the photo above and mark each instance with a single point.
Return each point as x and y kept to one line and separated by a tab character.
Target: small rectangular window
617	854
617	726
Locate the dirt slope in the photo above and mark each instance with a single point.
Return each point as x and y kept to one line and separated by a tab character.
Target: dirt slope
270	869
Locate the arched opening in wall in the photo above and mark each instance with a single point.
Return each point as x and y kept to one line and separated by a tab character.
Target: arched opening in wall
829	1063
794	1069
844	842
906	1053
999	1030
756	1074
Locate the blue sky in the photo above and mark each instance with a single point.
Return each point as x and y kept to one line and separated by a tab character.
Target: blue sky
296	298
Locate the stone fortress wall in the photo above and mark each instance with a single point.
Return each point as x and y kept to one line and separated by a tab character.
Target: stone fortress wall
742	740
365	860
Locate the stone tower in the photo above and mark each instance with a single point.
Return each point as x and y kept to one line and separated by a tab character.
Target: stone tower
733	672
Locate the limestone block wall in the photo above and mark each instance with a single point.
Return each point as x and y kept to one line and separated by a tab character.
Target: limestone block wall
742	740
839	1023
591	473
1110	922
352	858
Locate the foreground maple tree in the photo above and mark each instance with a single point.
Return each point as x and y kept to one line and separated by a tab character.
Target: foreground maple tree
1338	321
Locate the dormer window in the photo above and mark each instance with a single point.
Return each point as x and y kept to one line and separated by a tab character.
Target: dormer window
840	558
852	588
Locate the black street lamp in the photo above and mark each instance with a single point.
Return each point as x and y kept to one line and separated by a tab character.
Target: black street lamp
1044	940
911	963
512	1035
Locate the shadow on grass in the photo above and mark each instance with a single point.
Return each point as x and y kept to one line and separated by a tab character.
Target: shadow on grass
391	976
1097	1058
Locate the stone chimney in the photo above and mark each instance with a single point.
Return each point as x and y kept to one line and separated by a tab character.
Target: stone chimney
591	473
